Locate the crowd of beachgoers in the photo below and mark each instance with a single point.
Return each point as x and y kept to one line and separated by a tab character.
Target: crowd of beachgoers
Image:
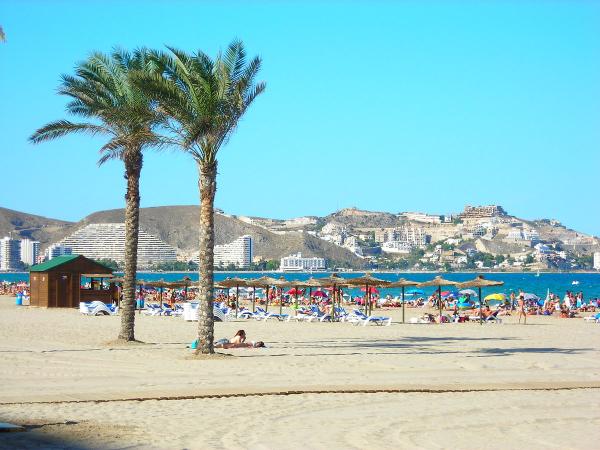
456	306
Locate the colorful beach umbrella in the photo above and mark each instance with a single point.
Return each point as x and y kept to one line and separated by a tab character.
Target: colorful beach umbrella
498	297
470	292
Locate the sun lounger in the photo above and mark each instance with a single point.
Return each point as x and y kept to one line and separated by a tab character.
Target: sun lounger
491	318
365	320
98	308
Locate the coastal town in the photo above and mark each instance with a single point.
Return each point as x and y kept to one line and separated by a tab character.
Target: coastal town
478	238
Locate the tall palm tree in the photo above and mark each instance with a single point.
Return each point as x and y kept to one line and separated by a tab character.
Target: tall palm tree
102	93
204	100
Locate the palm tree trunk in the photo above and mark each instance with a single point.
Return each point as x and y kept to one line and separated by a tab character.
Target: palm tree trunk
133	167
207	184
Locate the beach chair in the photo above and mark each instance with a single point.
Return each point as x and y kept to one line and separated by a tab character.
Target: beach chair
492	318
363	319
261	314
152	309
98	308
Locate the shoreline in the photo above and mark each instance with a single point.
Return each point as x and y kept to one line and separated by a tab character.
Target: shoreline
547	272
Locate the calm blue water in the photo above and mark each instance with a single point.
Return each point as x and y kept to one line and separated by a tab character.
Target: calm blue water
589	283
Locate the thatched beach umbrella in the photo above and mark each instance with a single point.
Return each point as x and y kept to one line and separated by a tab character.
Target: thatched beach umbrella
281	283
334	281
480	282
367	280
265	283
402	283
234	282
439	282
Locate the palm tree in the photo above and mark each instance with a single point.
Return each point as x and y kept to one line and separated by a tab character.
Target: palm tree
101	92
204	100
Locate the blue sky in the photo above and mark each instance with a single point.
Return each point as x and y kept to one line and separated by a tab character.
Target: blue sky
394	106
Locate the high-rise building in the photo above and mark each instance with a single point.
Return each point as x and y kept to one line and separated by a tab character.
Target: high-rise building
29	251
239	253
296	262
107	241
597	260
10	254
57	250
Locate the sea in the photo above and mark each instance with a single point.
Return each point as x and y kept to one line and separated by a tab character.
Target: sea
538	284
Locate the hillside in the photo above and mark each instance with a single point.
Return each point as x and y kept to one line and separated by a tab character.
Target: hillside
178	226
30	226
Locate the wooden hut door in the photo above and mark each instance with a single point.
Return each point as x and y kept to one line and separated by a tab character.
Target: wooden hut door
63	290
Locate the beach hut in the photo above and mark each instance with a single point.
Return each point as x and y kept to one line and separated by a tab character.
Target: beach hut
57	283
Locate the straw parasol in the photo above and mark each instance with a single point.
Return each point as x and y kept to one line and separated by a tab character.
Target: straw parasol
265	283
367	280
333	281
234	282
402	283
480	282
281	283
439	282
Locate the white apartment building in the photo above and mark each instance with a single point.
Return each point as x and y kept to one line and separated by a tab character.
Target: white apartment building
29	251
10	254
422	217
396	247
296	263
57	250
239	253
413	236
107	241
597	260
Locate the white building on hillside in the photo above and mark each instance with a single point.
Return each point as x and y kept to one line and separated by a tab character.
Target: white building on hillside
29	251
239	253
597	260
396	247
296	263
10	254
107	241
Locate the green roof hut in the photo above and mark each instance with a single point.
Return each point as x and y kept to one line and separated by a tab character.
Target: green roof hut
57	283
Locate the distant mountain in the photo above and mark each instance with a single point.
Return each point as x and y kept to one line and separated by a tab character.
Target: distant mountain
275	238
178	226
23	225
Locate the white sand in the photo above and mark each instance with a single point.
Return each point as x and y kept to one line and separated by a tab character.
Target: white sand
58	356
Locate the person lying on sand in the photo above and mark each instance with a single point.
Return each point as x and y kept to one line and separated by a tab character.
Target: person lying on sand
257	344
238	341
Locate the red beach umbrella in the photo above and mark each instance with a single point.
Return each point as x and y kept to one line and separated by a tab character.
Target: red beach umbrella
372	290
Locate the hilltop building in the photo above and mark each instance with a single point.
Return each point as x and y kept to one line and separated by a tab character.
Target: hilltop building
422	217
482	212
296	263
239	253
10	254
107	241
29	251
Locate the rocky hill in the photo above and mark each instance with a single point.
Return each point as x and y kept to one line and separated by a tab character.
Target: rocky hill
178	226
23	225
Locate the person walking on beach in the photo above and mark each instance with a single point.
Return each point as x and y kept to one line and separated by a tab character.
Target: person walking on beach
512	300
522	308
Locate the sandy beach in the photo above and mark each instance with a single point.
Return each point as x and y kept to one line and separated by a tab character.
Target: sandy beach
317	385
